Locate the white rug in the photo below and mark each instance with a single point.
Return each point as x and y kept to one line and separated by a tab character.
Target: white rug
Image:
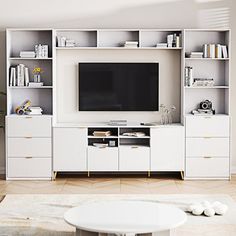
43	214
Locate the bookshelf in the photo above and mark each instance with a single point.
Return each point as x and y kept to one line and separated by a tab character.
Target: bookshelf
24	40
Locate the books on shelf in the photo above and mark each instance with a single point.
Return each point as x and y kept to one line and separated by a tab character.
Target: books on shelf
27	54
102	133
215	51
194	55
130	44
188	76
34	111
35	84
173	40
161	45
19	76
203	82
134	134
41	51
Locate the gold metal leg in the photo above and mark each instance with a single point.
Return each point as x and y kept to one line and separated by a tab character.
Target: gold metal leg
54	175
182	175
149	173
88	174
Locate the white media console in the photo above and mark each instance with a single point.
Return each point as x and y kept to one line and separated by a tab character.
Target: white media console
61	140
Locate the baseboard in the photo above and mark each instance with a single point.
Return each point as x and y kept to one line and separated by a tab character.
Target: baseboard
2	170
233	169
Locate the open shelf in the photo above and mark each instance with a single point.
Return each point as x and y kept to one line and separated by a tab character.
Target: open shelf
25	40
29	58
115	38
206	59
205	87
83	38
149	38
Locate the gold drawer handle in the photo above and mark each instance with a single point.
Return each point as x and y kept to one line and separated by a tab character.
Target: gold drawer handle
28	117
207	137
28	157
207	117
28	137
207	157
134	147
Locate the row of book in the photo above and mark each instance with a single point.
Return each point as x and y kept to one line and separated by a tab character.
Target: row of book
190	81
215	51
19	75
173	40
130	44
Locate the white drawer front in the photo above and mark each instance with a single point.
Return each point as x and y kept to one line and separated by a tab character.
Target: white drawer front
134	158
207	126
213	147
207	167
29	147
24	126
102	159
29	167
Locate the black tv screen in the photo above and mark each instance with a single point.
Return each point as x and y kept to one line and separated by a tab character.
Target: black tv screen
118	86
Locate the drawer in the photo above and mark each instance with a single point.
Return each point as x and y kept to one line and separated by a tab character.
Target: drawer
102	159
214	147
29	147
134	158
28	126
207	126
201	167
29	167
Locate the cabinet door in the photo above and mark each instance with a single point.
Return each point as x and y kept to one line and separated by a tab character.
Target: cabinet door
69	149
167	149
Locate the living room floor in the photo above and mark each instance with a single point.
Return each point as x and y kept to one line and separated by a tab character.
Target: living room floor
124	185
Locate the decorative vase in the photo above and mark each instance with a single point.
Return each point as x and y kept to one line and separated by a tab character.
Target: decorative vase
37	78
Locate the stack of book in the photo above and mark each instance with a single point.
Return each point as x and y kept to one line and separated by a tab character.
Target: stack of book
203	82
130	44
35	84
215	51
188	76
34	111
27	54
70	43
161	45
173	41
19	75
102	133
195	55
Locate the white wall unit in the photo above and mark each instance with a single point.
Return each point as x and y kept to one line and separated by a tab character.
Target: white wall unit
167	149
70	149
162	148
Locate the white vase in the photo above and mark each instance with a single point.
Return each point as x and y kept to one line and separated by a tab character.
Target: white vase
37	79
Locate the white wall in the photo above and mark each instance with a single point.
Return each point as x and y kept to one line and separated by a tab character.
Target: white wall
119	14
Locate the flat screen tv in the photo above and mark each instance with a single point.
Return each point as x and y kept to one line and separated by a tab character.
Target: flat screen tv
118	86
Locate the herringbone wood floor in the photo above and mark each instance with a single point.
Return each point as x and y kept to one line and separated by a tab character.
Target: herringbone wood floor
123	185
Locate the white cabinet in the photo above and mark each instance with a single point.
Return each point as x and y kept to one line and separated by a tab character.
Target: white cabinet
167	148
70	149
102	159
134	158
207	147
29	147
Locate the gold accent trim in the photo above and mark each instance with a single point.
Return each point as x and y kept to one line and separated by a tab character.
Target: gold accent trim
54	175
149	173
182	175
88	174
28	157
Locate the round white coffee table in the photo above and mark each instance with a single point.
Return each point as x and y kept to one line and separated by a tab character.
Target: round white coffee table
125	218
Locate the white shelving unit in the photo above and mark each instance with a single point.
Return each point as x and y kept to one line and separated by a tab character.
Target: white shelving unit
208	161
150	153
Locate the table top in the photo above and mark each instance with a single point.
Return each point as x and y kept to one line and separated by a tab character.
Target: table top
125	217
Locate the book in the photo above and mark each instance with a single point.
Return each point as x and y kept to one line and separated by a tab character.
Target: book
26	76
218	51
35	84
170	39
161	45
102	133
12	81
27	54
211	51
224	51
